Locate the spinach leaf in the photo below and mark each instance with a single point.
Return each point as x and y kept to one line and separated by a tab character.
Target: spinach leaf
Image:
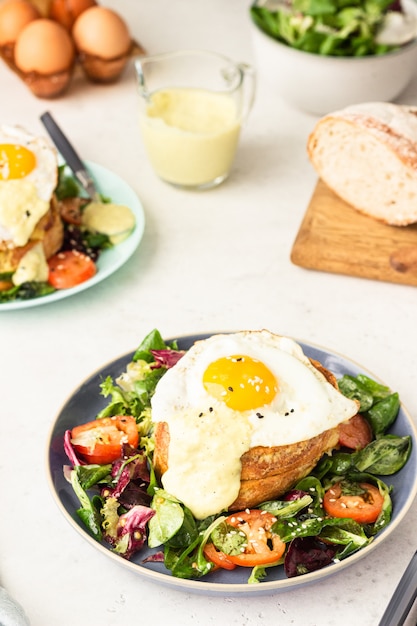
384	456
26	291
314	488
337	464
286	509
377	390
345	532
152	341
354	389
289	529
90	475
187	533
383	413
89	512
191	562
168	518
67	186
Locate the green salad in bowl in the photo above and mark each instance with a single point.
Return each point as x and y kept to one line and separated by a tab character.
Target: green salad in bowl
323	55
355	28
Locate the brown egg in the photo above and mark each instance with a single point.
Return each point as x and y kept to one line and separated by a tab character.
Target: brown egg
102	32
66	11
14	16
103	42
44	55
44	46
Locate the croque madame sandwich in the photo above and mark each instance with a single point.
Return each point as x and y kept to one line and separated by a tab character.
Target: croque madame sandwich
241	418
29	214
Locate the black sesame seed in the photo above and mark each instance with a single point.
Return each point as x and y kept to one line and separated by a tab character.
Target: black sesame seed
211	409
259	415
230	388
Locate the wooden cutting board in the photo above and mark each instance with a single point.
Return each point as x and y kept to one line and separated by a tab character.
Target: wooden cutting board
334	237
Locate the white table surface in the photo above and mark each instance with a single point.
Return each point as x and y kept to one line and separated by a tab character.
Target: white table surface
211	261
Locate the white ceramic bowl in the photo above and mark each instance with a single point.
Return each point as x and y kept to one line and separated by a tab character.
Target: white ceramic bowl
319	84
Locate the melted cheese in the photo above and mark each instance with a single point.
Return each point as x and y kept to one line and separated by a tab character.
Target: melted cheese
32	267
20	211
194	436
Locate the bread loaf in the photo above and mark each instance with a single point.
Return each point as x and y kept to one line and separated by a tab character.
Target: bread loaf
367	154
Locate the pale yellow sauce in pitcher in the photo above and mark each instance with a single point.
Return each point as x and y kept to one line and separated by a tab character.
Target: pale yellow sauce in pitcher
191	135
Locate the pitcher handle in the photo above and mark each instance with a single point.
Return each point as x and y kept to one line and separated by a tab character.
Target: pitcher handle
249	87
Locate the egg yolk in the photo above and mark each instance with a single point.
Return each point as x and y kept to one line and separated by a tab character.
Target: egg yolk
15	161
241	382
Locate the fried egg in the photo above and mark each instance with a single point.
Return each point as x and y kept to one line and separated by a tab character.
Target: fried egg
28	177
264	377
228	394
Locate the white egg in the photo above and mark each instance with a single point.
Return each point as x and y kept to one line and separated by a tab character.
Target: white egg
265	377
28	177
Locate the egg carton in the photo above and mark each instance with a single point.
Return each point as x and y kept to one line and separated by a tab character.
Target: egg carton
93	68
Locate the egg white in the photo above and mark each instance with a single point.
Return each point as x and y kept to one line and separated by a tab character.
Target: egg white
305	406
24	201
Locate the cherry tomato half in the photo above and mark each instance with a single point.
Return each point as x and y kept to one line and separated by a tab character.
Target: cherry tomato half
363	507
70	268
101	440
218	557
262	546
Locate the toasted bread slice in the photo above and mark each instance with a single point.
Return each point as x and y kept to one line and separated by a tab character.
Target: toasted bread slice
49	231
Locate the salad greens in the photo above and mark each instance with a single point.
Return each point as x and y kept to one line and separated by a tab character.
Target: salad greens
328	27
122	504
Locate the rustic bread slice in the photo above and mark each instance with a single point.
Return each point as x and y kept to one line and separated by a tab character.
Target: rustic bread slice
367	154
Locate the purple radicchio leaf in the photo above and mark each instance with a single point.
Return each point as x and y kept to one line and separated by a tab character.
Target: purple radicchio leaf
307	554
157	557
166	358
294	494
132	479
69	450
133	523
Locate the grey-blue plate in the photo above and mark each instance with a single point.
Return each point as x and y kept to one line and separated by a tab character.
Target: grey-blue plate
86	401
114	187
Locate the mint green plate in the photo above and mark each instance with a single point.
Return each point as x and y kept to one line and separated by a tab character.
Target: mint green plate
114	187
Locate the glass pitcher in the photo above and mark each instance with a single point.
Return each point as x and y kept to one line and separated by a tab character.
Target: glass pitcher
192	107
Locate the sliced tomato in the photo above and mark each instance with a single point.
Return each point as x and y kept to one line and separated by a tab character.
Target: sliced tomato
70	268
101	440
356	433
218	557
262	545
363	507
